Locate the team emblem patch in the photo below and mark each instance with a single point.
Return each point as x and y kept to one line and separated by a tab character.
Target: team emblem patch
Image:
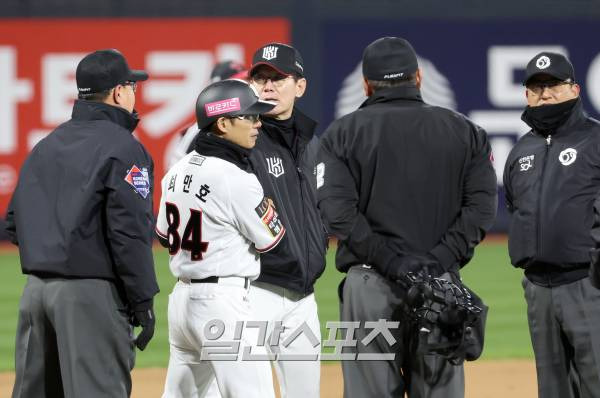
526	162
268	215
139	180
568	156
275	166
270	52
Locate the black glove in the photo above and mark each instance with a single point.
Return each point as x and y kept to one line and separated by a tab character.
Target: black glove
143	315
414	263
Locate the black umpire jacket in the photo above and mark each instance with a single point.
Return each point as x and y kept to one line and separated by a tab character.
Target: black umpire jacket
552	185
81	209
286	174
400	176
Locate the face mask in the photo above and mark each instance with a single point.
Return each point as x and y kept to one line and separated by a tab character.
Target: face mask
547	118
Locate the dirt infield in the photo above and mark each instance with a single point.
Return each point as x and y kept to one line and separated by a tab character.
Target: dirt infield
485	379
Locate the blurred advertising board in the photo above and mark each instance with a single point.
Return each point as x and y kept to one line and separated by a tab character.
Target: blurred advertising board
475	67
38	58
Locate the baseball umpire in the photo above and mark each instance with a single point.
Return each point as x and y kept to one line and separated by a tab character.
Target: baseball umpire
404	186
215	219
81	215
552	180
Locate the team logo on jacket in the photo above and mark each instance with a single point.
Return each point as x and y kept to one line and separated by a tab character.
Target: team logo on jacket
270	52
275	166
567	156
139	180
526	162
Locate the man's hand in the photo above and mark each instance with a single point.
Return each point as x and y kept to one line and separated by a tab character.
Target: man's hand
143	315
414	263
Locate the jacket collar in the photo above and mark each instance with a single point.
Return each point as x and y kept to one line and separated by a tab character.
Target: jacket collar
393	94
303	125
208	144
91	110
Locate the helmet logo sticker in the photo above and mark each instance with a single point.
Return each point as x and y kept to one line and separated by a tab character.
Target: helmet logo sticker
223	106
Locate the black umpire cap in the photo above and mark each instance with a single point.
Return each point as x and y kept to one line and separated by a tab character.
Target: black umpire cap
553	64
228	98
389	58
281	57
103	70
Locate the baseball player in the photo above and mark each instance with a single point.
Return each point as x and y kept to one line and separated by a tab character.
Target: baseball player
214	219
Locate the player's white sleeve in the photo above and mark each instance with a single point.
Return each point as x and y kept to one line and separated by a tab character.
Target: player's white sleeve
255	215
161	222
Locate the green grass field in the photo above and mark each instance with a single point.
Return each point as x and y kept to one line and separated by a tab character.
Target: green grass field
489	274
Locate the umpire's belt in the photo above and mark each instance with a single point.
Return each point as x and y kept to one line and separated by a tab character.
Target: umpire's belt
226	280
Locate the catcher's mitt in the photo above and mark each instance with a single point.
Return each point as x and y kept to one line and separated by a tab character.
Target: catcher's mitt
448	317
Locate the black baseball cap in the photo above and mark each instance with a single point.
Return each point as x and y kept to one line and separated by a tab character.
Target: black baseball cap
553	64
103	70
228	70
389	58
281	57
228	98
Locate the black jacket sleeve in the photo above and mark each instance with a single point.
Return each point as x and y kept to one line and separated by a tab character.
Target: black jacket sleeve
130	223
338	202
11	227
507	184
479	205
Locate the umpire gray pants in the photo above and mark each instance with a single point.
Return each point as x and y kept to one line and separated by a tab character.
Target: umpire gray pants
73	340
564	324
368	296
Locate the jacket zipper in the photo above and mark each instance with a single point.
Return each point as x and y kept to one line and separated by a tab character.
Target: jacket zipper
540	196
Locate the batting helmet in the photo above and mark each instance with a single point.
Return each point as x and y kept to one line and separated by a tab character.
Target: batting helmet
228	98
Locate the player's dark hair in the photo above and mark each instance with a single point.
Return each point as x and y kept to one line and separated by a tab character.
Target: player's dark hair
213	128
406	81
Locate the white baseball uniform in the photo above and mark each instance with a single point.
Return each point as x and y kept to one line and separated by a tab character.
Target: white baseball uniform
216	220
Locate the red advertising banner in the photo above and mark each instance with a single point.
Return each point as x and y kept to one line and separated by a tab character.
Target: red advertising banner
38	59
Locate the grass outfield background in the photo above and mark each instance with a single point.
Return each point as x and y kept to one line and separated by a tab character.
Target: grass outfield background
489	274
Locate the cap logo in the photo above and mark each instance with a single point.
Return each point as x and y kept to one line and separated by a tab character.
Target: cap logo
223	106
393	75
270	52
299	66
542	62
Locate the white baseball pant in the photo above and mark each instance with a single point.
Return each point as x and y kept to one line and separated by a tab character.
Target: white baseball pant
191	307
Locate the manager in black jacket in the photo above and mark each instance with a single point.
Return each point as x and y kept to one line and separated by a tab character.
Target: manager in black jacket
82	217
284	161
403	185
552	180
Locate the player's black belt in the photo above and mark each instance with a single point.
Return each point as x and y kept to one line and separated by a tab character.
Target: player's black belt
215	279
